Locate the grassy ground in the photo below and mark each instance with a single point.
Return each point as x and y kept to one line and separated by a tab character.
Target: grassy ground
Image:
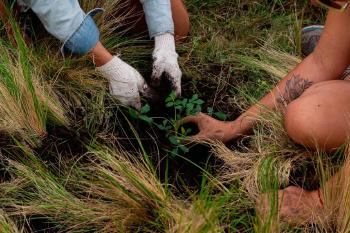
82	163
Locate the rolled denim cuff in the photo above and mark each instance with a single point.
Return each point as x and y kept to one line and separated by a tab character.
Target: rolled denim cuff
85	37
158	17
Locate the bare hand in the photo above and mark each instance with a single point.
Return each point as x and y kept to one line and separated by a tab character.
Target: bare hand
210	128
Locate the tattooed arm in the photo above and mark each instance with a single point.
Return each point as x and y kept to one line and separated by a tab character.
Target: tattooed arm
294	89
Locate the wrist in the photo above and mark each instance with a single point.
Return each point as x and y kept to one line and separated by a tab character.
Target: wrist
231	131
113	68
100	55
165	42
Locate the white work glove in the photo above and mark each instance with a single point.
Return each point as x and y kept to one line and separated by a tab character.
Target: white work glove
165	62
125	82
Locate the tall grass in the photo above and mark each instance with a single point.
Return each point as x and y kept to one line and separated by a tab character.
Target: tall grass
27	102
114	192
140	200
271	60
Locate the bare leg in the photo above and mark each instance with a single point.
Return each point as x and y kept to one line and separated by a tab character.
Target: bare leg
320	118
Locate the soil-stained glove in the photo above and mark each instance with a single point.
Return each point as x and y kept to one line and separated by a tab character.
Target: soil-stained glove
125	83
165	62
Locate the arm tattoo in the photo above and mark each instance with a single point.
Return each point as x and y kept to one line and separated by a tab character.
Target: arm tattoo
294	89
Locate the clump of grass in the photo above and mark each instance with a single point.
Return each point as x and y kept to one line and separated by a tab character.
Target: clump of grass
197	218
270	60
130	182
127	182
269	148
27	103
115	192
225	210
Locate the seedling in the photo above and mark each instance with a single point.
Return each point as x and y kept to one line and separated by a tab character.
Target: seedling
181	107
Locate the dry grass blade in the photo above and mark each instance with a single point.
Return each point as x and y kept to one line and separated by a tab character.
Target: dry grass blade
195	218
7	225
273	61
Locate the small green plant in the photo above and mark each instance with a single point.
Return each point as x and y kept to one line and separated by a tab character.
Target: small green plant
184	106
181	107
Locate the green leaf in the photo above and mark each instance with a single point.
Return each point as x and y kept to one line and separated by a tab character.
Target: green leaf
171	97
146	119
174	140
174	152
159	126
220	115
184	148
210	111
194	97
199	102
145	109
133	113
168	99
189	107
169	104
196	110
183	131
178	102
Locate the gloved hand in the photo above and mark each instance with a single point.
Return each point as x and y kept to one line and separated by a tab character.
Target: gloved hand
165	62
125	82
